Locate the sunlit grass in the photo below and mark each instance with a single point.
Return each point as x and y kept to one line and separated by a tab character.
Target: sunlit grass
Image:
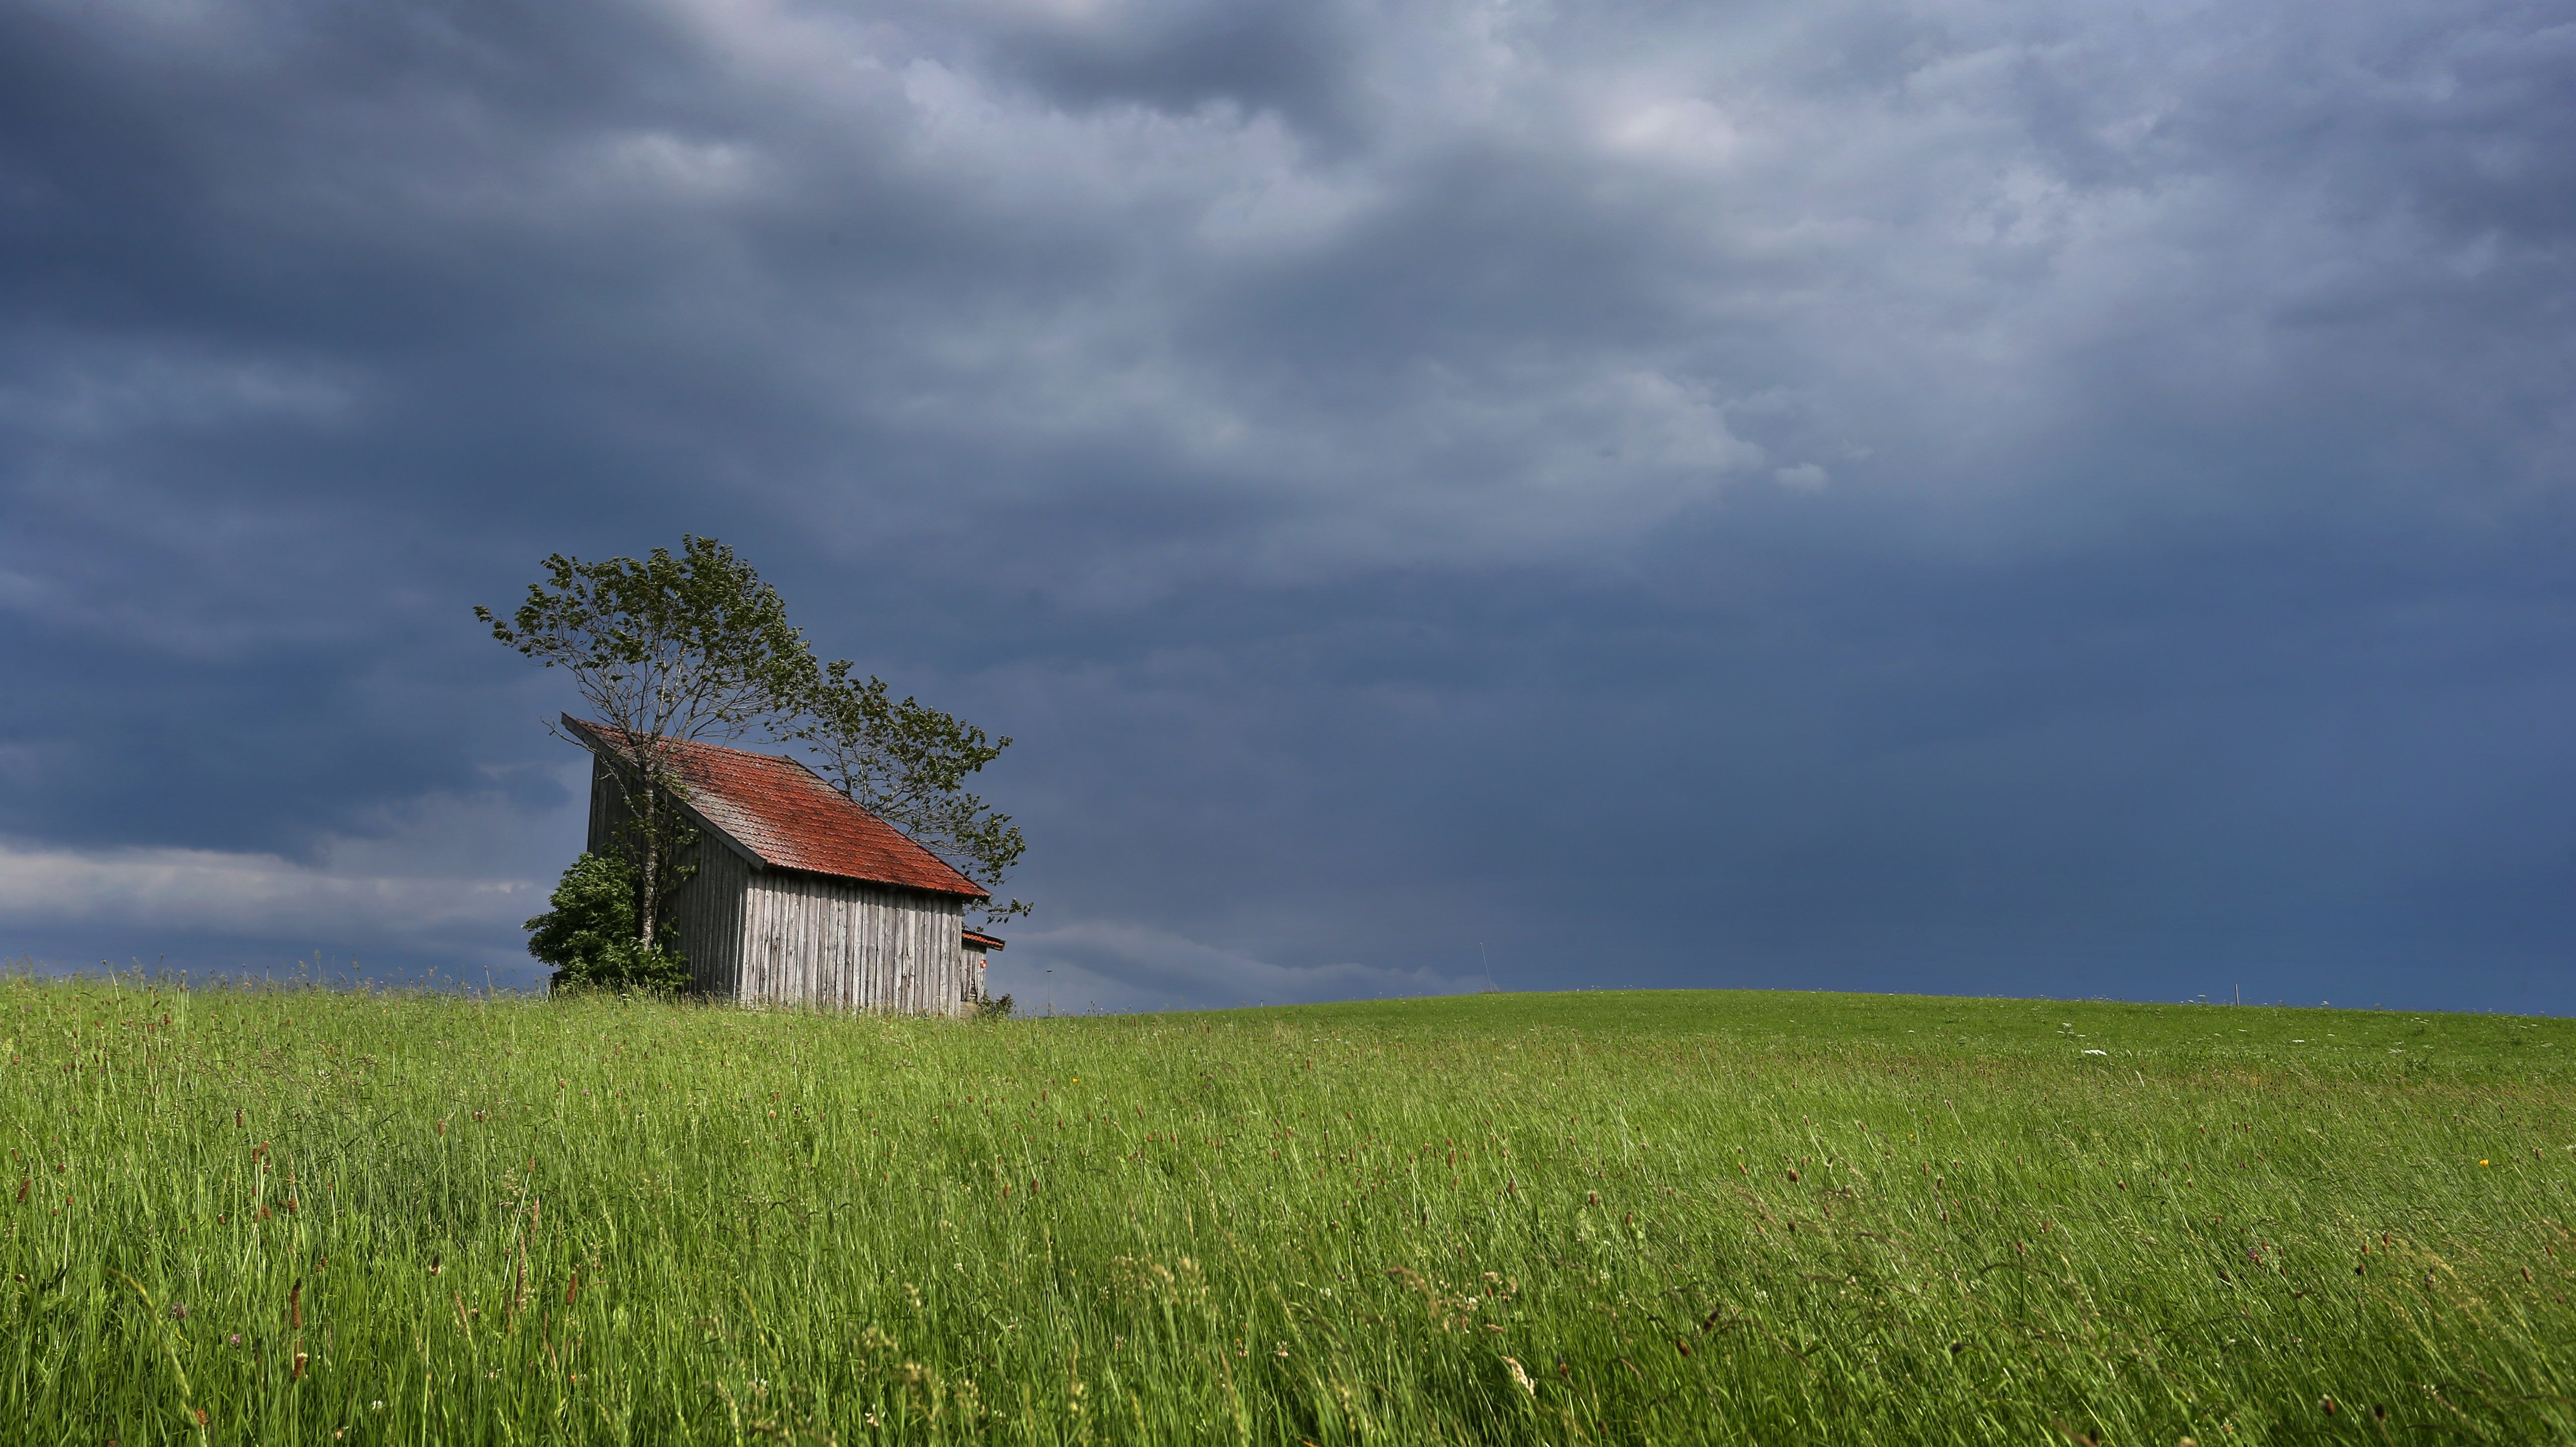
289	1215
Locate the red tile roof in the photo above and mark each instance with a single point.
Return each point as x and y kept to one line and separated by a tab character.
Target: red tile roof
978	937
785	815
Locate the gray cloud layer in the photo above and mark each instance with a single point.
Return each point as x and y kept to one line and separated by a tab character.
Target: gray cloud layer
1952	497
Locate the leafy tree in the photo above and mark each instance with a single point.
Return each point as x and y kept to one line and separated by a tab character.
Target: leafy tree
589	935
662	650
908	763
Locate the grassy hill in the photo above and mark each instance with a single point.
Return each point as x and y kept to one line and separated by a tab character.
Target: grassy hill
276	1216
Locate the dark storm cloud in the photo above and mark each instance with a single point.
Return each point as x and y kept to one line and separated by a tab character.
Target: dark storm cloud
1978	498
1286	58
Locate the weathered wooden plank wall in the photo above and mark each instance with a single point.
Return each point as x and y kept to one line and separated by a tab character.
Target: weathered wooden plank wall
707	916
844	945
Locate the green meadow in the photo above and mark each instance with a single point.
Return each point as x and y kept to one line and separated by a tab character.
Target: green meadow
296	1215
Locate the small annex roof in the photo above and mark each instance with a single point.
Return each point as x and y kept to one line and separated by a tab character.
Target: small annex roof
982	940
784	815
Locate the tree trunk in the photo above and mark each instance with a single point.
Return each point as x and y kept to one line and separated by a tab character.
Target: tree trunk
649	906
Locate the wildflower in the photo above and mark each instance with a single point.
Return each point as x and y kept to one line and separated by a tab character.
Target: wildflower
2328	1404
179	1310
234	1340
375	1406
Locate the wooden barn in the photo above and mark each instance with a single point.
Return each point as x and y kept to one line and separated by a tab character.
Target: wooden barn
801	896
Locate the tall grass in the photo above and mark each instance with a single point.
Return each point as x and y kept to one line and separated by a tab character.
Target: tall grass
302	1216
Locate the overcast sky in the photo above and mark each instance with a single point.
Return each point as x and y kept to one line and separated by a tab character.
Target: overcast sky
2035	497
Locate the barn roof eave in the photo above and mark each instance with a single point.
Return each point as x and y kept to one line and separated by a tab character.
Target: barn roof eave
589	739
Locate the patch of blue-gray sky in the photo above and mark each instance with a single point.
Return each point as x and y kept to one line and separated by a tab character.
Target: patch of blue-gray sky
2040	497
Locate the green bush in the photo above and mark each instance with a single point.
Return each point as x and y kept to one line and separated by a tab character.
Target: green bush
590	938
